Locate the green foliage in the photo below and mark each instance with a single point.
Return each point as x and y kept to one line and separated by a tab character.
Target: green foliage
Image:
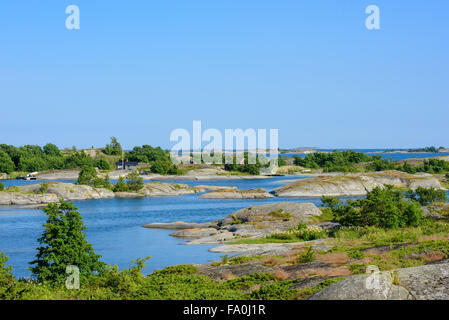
134	181
51	150
87	176
430	166
6	164
2	186
158	159
44	187
251	164
182	269
120	186
6	277
431	149
102	164
275	291
336	161
385	208
357	268
307	256
77	160
114	148
282	161
62	244
147	154
380	164
426	196
280	214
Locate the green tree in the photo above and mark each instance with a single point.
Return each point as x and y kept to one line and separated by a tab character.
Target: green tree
114	148
120	186
6	164
88	176
7	279
102	164
51	150
387	208
64	243
426	196
134	181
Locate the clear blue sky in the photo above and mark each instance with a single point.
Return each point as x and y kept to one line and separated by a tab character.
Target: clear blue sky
139	69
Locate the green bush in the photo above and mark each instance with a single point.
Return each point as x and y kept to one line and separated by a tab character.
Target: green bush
307	256
385	208
426	196
120	186
102	164
336	161
7	279
2	186
44	187
134	181
6	164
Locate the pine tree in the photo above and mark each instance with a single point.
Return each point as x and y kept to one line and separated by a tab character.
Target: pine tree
63	243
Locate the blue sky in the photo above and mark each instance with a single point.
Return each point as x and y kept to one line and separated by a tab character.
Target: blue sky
139	69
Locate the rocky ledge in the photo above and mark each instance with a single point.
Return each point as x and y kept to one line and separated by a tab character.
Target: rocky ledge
36	194
237	194
252	222
429	282
353	184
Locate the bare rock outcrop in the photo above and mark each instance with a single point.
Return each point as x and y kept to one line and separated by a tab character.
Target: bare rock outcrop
17	198
429	282
353	184
237	194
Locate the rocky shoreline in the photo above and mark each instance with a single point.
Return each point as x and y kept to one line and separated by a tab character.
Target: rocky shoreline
30	196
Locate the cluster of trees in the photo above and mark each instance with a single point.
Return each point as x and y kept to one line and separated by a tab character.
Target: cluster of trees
336	161
252	168
388	207
429	166
88	176
31	158
158	159
426	149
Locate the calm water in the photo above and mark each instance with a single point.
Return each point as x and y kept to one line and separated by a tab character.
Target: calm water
115	226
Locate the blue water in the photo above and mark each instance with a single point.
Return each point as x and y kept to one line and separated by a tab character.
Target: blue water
115	226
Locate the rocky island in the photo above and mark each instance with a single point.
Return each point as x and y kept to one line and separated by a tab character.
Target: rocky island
356	184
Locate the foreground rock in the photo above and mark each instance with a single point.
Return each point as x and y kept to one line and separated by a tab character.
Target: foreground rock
271	248
353	184
429	282
237	194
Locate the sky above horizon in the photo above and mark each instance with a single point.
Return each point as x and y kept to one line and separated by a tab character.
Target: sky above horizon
139	69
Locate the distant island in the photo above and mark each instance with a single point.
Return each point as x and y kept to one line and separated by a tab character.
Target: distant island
417	150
